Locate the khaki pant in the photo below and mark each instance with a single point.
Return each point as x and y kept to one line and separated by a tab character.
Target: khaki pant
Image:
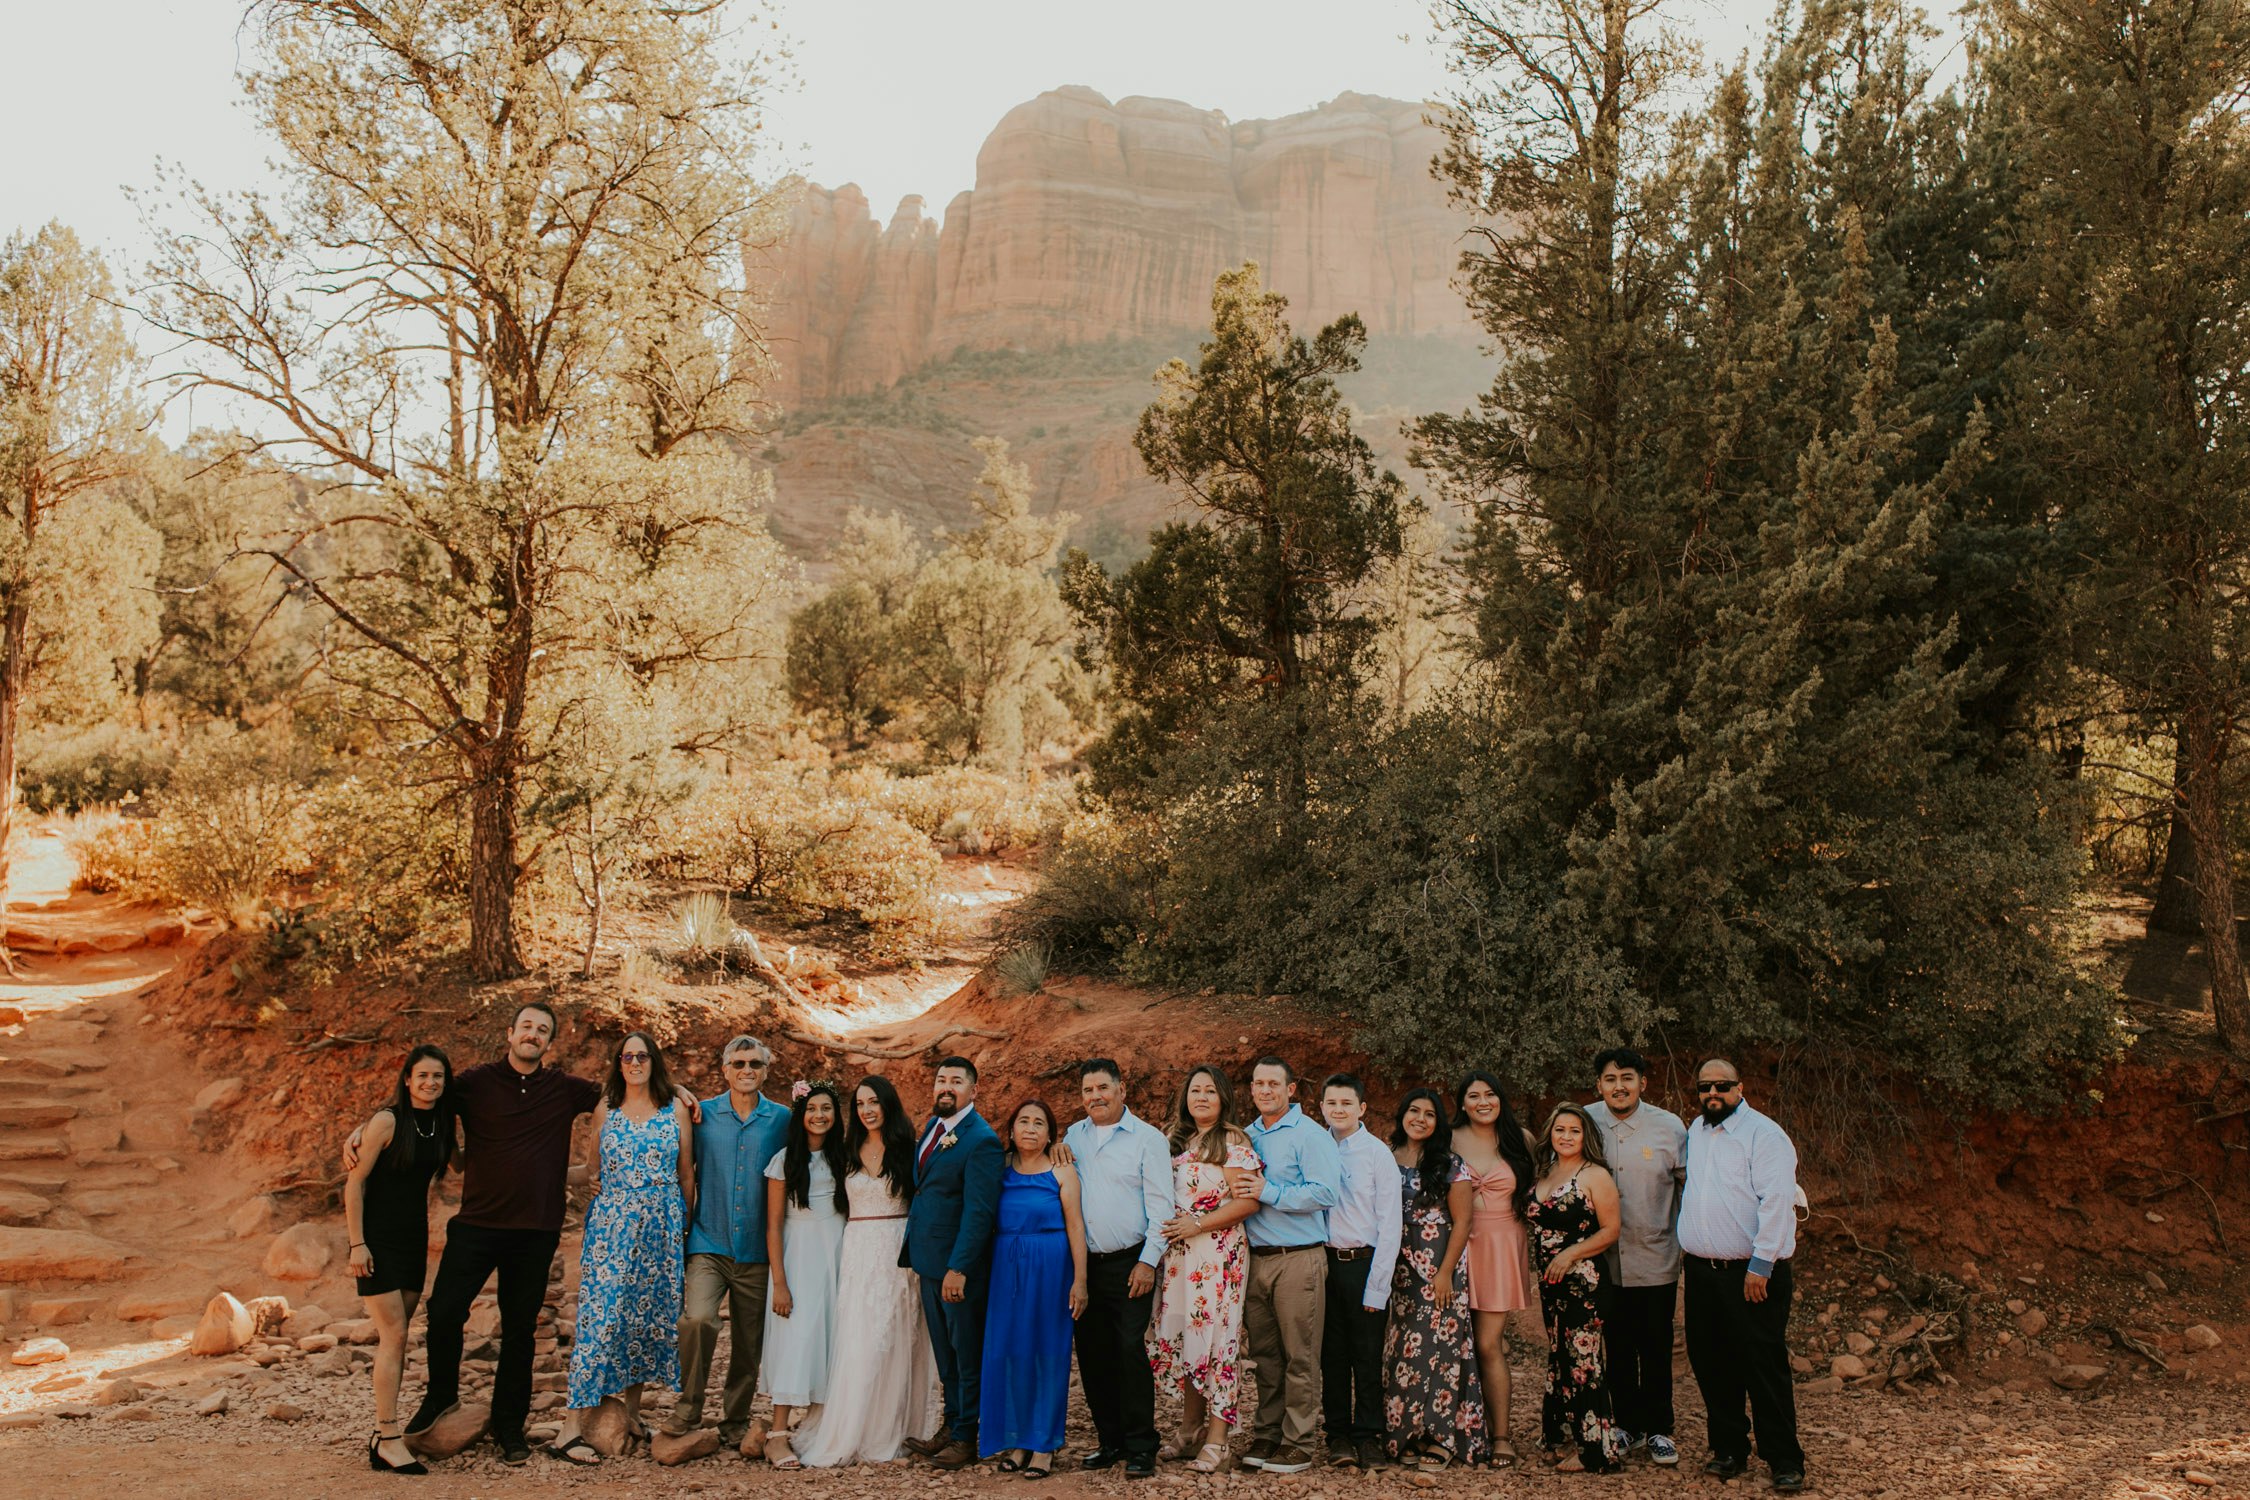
711	1278
1282	1315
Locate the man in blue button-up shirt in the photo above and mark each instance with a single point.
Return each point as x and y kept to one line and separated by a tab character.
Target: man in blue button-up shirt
740	1131
1286	1300
1125	1194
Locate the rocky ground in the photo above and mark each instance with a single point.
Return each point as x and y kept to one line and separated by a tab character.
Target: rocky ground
142	1221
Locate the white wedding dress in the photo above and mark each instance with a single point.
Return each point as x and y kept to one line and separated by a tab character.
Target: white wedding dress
882	1377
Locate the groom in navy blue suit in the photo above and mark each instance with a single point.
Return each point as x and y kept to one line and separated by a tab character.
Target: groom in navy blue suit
949	1227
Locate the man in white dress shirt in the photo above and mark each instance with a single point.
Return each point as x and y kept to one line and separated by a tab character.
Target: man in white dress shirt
1125	1193
1738	1228
1363	1237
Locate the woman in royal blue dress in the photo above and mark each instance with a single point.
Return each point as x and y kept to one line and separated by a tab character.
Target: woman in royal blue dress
632	1263
1038	1291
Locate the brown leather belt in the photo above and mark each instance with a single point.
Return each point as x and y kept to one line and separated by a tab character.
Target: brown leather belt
1283	1249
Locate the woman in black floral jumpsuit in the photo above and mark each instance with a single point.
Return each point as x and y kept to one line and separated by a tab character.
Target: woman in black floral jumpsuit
1571	1220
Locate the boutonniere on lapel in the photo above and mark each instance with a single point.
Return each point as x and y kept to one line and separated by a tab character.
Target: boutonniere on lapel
949	1141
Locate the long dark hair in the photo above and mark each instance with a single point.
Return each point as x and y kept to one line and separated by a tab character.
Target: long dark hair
1436	1167
1222	1129
1514	1150
400	1152
660	1087
1046	1112
898	1136
796	1157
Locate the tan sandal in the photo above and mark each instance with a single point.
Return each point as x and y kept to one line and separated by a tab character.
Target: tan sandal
1174	1448
779	1453
1213	1458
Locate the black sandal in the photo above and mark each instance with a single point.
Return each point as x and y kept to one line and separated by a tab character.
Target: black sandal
382	1465
1034	1468
567	1451
1007	1463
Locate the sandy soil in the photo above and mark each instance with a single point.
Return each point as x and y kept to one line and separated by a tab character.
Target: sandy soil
181	1192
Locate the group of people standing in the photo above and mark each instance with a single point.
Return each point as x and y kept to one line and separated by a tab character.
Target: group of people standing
897	1290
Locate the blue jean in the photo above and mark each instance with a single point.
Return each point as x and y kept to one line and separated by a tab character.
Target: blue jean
957	1339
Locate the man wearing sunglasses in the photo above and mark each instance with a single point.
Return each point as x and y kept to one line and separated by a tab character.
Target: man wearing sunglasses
1738	1228
738	1134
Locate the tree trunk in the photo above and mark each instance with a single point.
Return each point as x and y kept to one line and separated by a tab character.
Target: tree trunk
13	663
2175	888
493	951
2203	732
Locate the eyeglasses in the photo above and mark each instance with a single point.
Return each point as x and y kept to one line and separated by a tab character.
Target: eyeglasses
1718	1085
632	1058
748	1062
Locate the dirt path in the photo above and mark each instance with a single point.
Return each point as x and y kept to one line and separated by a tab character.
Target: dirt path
102	1168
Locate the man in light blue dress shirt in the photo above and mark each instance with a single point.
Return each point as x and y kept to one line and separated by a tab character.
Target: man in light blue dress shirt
1286	1301
1125	1195
739	1133
1738	1229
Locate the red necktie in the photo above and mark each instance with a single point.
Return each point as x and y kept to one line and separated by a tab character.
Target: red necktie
929	1147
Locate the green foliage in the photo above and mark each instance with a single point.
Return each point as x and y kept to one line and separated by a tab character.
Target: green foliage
234	826
114	854
101	765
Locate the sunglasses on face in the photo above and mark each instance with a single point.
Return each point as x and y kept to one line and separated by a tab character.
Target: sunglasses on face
631	1058
1718	1086
746	1062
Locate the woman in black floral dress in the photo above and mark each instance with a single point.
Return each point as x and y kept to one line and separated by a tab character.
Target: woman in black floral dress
1572	1219
1433	1403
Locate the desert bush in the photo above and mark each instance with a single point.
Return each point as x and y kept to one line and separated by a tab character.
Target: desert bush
102	765
872	864
1096	899
114	854
390	863
234	826
1023	968
983	811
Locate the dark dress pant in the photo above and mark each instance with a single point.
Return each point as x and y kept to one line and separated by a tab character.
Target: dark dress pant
1739	1351
1113	1368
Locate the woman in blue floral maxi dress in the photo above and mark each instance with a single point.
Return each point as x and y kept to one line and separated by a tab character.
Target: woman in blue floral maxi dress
632	1263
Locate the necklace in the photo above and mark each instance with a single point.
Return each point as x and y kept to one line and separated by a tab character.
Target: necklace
413	1119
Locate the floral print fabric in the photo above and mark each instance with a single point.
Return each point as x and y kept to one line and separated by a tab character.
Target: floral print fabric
1432	1396
632	1268
1577	1409
1195	1336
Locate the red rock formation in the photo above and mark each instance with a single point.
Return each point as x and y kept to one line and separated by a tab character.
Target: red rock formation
1093	220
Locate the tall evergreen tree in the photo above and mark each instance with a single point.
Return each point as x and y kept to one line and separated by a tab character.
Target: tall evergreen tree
2128	119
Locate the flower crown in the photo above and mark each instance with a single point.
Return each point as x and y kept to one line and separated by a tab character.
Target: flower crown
804	1086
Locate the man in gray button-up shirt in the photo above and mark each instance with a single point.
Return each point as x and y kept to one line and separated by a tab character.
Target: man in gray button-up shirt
1647	1151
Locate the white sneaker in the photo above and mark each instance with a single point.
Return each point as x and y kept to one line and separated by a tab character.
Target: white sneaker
1662	1451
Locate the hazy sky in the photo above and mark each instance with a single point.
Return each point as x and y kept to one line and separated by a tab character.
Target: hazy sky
895	95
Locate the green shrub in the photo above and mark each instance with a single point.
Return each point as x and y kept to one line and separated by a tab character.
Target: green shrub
234	826
114	854
101	766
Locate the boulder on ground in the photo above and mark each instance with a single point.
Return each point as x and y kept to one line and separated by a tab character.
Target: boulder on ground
53	1312
300	1253
145	1309
226	1325
607	1427
2079	1377
212	1405
317	1343
61	1255
451	1433
256	1217
2031	1322
269	1312
1826	1385
118	1393
285	1411
670	1448
356	1331
2201	1336
333	1363
1847	1367
223	1094
40	1351
311	1318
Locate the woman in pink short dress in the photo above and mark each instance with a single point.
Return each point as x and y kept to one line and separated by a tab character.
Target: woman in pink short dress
1496	1150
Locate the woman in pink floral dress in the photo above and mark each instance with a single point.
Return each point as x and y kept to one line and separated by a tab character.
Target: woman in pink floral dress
1195	1336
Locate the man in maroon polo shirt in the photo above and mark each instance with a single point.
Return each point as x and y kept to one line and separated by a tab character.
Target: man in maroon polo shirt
516	1120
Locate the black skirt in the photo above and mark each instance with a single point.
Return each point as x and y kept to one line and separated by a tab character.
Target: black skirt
399	1267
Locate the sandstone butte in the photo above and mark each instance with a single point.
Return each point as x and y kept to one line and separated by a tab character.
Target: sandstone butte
1093	220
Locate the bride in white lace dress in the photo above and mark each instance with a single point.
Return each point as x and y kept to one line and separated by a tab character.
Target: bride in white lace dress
882	1377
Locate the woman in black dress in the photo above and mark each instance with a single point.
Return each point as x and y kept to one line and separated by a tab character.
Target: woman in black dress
387	1210
1573	1218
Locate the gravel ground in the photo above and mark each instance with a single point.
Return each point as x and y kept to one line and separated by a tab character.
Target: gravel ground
291	1430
